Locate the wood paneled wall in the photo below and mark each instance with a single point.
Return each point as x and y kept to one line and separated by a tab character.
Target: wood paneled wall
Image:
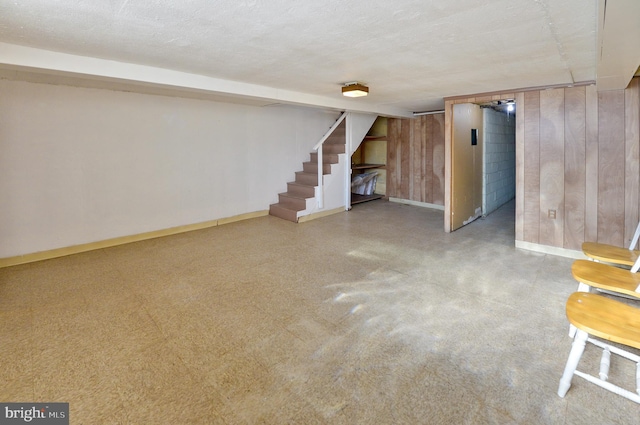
578	154
581	158
415	159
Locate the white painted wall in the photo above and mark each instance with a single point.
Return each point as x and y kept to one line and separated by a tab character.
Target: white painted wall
80	165
499	182
333	187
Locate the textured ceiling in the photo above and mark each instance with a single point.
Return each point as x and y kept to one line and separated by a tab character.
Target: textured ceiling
411	53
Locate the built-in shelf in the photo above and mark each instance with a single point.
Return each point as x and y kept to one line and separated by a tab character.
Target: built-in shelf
357	199
370	156
366	166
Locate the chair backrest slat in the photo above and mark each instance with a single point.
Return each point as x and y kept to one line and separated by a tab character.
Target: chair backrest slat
636	236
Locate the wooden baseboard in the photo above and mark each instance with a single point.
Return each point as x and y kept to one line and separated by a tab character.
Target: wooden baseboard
417	204
76	249
546	249
320	214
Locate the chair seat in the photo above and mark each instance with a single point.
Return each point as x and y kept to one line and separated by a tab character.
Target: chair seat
610	253
609	278
605	318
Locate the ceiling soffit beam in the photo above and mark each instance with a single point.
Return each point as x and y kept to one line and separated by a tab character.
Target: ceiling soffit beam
618	50
16	58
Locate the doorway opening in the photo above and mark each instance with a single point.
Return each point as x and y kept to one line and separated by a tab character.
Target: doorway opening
499	154
483	160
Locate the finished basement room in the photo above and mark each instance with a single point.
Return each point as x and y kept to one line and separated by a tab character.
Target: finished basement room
241	212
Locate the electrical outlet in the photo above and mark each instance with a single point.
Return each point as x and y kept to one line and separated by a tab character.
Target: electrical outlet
552	214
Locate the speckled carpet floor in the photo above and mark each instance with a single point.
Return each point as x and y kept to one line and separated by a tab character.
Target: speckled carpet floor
375	316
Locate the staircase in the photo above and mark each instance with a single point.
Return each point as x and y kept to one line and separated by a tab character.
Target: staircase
300	193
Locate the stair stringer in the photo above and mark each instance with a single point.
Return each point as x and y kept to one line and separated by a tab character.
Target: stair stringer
334	189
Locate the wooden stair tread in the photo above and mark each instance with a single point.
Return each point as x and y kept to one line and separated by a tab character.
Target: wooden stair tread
610	253
301	189
301	185
312	167
292	204
327	158
307	178
284	213
293	195
605	318
606	277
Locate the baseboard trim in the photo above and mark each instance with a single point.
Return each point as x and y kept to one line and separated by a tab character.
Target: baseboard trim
91	246
417	203
546	249
319	214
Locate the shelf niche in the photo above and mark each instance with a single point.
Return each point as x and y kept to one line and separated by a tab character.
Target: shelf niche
371	156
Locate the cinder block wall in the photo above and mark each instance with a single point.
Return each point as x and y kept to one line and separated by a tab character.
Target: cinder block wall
499	185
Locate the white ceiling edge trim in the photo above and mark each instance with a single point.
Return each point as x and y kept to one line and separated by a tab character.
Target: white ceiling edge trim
30	59
618	49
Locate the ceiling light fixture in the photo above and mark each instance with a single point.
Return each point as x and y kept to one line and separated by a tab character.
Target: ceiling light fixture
354	89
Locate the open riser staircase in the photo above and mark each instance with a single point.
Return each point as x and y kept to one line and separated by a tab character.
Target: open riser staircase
300	194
